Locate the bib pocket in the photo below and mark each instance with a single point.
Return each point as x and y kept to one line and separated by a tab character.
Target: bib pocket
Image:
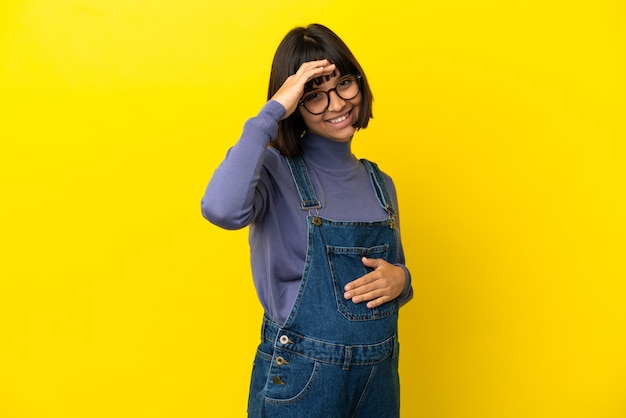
345	266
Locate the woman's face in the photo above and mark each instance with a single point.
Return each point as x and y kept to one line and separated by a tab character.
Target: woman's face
336	123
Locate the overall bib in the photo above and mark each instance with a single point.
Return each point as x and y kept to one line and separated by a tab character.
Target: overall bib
332	357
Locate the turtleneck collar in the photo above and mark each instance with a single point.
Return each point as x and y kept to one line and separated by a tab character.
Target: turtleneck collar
327	154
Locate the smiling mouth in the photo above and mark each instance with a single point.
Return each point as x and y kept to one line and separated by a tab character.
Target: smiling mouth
340	118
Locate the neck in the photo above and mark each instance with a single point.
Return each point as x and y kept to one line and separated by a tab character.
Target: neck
326	153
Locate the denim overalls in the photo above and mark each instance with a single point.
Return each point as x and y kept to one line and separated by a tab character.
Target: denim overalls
332	357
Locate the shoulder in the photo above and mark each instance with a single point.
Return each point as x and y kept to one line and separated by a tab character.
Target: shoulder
273	160
275	169
385	177
376	167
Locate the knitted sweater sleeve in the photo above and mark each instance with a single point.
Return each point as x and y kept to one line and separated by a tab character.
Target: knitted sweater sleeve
407	292
234	197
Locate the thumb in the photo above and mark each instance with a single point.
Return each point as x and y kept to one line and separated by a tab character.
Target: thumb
372	262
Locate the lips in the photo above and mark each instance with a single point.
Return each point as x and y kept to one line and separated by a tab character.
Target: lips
340	118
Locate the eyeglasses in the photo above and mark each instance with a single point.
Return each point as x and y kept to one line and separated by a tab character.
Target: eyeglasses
317	102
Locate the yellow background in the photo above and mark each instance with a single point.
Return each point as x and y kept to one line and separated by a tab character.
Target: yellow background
501	122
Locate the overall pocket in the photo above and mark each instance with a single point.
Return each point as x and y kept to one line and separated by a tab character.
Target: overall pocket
290	377
345	266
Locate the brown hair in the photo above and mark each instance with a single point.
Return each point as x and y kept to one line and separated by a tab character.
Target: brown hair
300	45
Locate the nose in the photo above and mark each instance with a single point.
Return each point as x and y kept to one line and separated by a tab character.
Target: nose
336	102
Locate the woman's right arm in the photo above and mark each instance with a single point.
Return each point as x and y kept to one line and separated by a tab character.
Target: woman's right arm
235	195
229	199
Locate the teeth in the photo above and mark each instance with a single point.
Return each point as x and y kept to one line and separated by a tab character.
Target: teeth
340	119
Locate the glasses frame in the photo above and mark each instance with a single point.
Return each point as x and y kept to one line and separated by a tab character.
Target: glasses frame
327	93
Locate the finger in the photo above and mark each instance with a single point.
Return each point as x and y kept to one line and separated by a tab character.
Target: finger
377	302
316	64
372	262
374	302
312	66
371	296
367	291
361	281
313	69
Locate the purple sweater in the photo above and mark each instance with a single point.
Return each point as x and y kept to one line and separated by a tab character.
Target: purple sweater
253	187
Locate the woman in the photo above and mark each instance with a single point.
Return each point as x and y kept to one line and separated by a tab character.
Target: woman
327	260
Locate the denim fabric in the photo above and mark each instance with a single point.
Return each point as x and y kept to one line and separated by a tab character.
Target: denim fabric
332	357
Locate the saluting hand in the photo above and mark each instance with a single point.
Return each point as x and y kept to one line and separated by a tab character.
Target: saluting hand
383	284
291	91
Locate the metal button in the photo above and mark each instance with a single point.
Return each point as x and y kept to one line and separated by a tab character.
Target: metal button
277	380
316	221
281	361
284	339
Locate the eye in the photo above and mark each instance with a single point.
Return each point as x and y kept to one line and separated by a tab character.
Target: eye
345	83
312	97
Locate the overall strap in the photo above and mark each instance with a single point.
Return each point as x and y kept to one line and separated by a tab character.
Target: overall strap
379	185
308	198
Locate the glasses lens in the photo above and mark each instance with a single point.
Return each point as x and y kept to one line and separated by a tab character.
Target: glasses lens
317	102
348	87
